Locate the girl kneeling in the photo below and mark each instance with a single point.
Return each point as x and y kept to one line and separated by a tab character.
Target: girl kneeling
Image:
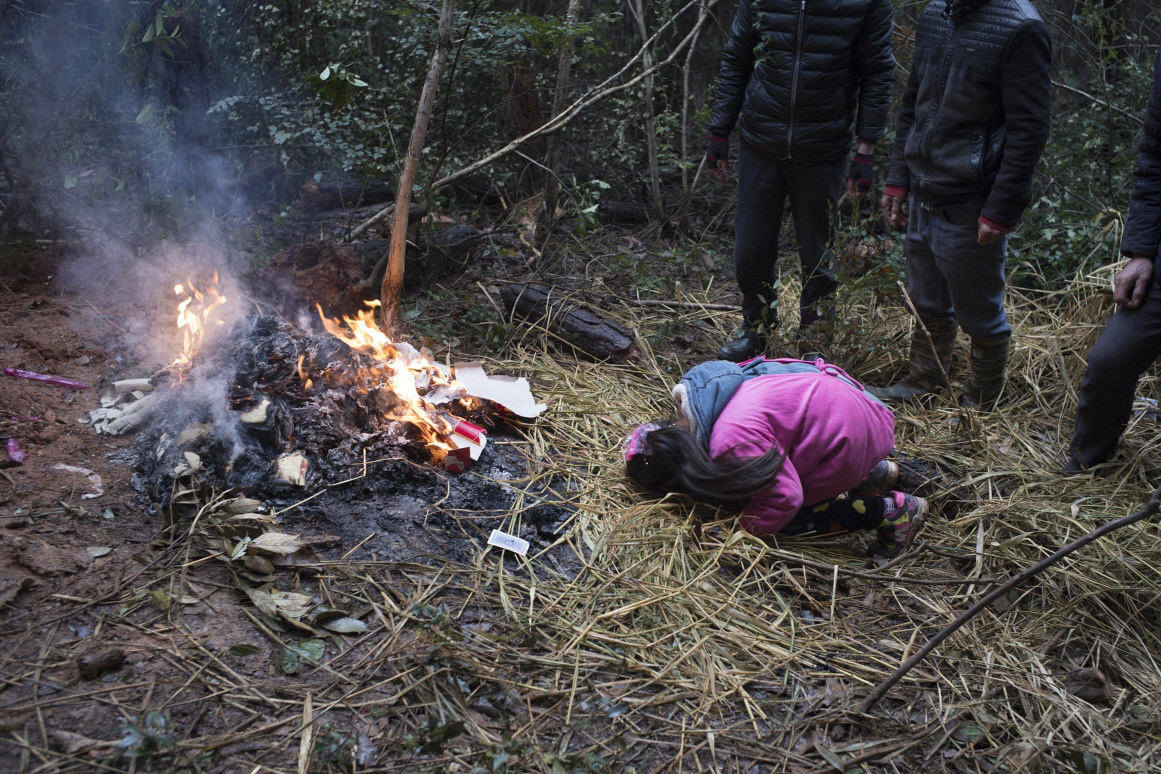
783	440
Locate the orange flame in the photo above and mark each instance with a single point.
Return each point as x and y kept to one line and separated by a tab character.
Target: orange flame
400	369
193	317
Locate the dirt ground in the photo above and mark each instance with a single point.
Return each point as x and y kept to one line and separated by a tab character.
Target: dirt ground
101	654
73	538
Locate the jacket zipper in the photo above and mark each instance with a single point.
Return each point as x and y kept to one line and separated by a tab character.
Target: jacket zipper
933	114
794	78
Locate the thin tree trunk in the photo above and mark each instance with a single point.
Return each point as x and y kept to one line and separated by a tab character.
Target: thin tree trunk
563	83
685	101
392	288
638	8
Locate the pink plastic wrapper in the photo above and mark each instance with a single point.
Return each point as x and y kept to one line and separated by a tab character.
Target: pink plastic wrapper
53	380
15	454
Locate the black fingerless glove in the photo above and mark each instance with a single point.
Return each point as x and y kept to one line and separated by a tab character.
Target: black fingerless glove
862	171
719	148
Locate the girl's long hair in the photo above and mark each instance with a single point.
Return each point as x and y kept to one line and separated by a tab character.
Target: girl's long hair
677	462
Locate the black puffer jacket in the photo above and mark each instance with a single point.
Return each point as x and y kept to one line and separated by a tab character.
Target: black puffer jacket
793	72
1143	227
974	117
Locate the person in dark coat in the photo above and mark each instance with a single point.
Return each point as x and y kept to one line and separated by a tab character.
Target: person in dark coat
799	81
1131	340
972	125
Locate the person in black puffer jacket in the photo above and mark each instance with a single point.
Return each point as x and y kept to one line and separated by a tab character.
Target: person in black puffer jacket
1132	339
972	125
801	81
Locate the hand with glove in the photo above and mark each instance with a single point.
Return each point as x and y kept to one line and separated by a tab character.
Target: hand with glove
862	174
717	157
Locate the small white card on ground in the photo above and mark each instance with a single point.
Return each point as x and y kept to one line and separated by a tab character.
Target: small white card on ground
511	542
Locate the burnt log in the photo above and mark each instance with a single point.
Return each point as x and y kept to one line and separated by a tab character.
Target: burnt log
623	212
450	248
332	194
579	325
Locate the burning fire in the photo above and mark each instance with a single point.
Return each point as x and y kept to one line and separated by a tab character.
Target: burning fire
193	317
410	382
406	373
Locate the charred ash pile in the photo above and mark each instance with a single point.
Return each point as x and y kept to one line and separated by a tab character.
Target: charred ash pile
277	414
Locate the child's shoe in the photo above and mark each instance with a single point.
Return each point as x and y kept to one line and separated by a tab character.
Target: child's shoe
900	524
880	481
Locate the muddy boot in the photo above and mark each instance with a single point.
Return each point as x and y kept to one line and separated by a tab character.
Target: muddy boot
989	372
750	344
879	481
924	376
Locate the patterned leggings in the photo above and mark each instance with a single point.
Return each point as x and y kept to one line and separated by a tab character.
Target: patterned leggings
839	514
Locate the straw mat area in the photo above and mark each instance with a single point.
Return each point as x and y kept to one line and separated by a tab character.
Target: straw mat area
655	636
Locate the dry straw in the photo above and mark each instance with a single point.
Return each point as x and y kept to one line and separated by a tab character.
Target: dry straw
654	634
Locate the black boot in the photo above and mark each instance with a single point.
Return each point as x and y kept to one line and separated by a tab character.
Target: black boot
752	340
989	373
924	376
749	344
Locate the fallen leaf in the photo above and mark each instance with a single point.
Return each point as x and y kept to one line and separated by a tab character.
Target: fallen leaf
280	604
72	744
346	626
276	543
10	588
259	564
95	551
240	505
244	649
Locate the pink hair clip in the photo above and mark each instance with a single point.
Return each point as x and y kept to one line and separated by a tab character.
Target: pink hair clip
637	442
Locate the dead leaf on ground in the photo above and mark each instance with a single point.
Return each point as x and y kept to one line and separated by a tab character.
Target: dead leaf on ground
74	744
276	543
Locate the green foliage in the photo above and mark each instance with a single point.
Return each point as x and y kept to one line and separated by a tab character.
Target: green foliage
433	736
145	737
337	85
333	750
586	201
1081	191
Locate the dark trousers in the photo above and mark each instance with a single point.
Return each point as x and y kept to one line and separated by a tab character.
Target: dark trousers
950	276
1129	344
764	184
839	514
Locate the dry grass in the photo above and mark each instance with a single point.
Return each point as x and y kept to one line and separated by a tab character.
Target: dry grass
681	644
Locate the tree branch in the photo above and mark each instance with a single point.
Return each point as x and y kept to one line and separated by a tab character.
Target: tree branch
598	93
1098	101
1150	508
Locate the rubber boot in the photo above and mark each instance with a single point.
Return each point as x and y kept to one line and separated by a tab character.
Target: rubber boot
903	516
989	373
750	344
924	376
881	480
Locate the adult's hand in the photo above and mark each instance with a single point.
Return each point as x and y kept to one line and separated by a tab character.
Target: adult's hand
987	234
894	211
717	158
862	172
1131	282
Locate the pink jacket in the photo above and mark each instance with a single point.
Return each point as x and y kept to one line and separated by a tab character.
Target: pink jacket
833	435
